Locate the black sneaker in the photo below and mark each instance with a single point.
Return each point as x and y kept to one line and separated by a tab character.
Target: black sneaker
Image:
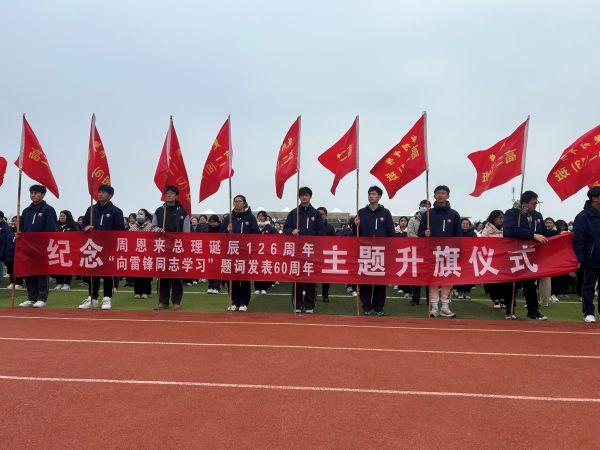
367	313
325	299
413	303
380	313
537	316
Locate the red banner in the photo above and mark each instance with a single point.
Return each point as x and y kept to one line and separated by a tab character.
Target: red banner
417	261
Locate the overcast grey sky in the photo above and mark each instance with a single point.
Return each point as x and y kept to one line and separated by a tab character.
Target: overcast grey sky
477	67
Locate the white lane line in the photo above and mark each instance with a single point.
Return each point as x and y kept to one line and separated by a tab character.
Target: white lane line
299	347
276	387
324	325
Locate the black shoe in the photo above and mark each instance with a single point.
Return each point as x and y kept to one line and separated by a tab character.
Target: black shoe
367	313
325	299
413	303
380	313
537	316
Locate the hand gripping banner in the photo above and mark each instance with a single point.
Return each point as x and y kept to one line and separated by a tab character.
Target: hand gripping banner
405	261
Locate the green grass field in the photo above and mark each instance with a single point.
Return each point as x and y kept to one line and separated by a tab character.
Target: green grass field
278	301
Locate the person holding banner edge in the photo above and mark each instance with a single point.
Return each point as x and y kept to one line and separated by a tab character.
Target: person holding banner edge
374	220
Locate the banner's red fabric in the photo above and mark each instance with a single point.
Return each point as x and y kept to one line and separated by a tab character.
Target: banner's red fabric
97	166
171	170
405	261
287	160
34	162
501	162
218	163
341	158
2	169
578	165
405	161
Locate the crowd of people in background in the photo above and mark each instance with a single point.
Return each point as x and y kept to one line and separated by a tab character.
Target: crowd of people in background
522	221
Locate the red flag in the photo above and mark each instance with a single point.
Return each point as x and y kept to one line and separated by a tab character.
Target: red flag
287	160
2	169
32	159
501	162
342	157
171	169
578	166
97	166
218	163
405	161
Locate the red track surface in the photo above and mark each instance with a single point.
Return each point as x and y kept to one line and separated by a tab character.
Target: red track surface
114	393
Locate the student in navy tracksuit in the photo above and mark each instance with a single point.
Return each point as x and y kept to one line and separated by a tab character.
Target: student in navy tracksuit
374	220
177	220
441	221
214	226
242	222
265	227
310	224
106	217
329	231
524	222
39	216
586	244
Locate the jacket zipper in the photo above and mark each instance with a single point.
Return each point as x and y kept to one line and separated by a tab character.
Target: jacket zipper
101	219
375	223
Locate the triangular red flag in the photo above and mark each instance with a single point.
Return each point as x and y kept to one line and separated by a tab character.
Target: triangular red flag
32	159
287	160
501	162
578	166
171	171
218	163
342	157
97	165
2	169
405	161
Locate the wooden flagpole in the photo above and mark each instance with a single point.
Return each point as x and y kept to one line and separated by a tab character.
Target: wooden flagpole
12	291
357	194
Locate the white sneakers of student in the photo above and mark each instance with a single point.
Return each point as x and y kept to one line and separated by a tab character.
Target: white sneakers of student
231	308
137	296
66	287
26	304
144	295
554	299
106	303
88	303
445	311
589	319
58	287
243	308
39	304
212	291
257	292
263	292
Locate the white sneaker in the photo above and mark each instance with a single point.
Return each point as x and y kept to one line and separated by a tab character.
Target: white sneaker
144	295
194	282
66	287
39	304
18	286
58	287
211	291
88	303
348	289
354	294
309	311
298	311
10	286
554	299
445	312
589	319
106	303
434	312
137	296
243	308
231	308
257	292
263	292
26	304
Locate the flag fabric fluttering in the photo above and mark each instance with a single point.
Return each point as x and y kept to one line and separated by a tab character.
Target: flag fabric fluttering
405	161
578	165
218	163
98	172
171	170
32	159
342	157
288	158
3	165
501	162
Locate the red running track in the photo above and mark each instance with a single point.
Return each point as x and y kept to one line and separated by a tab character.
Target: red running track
144	379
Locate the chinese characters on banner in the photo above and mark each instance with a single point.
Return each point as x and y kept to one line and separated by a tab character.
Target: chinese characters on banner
391	261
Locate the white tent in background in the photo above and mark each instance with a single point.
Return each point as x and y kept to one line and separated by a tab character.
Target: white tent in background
286	209
336	210
208	212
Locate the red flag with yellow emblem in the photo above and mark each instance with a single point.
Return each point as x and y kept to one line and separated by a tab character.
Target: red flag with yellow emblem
405	161
97	165
218	163
342	157
501	162
287	160
578	166
32	160
171	169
